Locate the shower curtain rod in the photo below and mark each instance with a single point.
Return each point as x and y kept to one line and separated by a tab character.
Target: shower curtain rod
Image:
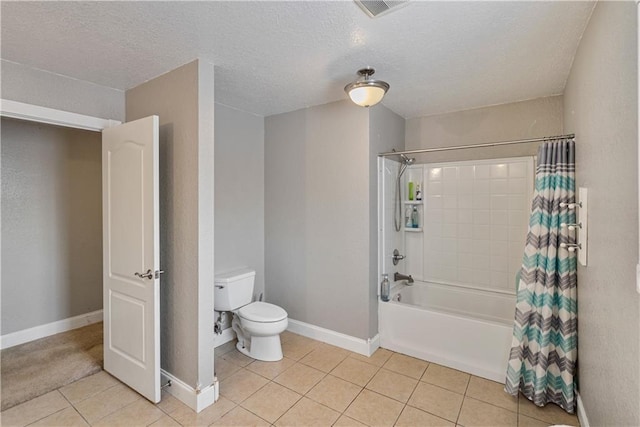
488	144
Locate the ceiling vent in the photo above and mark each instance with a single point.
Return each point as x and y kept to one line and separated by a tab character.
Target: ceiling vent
375	8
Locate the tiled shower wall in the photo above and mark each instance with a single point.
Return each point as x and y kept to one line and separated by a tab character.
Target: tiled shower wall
474	222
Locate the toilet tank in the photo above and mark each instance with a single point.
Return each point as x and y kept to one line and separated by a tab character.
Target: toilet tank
233	289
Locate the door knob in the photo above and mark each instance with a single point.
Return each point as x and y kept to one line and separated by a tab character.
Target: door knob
147	275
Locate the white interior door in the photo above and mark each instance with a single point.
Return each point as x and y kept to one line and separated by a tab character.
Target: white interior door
131	299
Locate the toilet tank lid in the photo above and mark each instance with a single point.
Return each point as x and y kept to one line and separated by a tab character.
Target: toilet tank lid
262	312
232	276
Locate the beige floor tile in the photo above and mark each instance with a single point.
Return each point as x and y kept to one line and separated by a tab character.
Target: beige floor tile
88	386
271	401
165	421
325	357
406	365
355	371
299	378
378	358
298	347
412	417
234	356
335	393
345	421
67	417
241	385
550	413
139	413
224	368
437	401
106	402
491	392
242	418
374	409
524	421
225	348
34	409
448	378
271	370
287	336
308	413
393	385
188	417
168	403
475	413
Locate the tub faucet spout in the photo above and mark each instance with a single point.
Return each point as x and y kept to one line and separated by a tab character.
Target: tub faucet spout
397	276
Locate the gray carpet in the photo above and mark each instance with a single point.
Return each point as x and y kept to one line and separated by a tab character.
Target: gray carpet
32	369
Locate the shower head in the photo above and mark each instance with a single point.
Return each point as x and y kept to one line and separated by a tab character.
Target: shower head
407	160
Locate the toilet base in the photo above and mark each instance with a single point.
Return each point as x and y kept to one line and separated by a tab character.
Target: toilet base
266	349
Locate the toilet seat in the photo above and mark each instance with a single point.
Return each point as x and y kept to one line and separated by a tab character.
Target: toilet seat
262	312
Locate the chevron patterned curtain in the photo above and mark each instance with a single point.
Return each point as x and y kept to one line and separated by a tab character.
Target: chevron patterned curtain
542	362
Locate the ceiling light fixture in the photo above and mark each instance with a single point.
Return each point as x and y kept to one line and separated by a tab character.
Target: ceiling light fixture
366	91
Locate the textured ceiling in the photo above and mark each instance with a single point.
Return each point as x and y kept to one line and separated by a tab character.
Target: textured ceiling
274	57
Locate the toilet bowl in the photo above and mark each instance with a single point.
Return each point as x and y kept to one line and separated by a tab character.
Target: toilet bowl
258	325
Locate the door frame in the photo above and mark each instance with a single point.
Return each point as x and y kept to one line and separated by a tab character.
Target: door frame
51	116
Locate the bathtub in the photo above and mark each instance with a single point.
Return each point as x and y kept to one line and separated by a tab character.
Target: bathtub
462	328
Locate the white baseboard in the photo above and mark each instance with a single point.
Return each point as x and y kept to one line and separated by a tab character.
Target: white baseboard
357	345
195	399
582	414
37	332
226	336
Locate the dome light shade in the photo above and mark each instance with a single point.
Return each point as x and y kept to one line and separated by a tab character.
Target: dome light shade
367	91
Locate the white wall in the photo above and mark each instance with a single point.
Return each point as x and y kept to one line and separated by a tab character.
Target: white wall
51	224
46	89
239	192
518	120
601	107
184	101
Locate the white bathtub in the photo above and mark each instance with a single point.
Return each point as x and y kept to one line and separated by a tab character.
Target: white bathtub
465	329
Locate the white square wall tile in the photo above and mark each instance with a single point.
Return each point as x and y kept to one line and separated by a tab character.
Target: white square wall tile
450	230
433	202
519	203
517	170
482	186
500	248
517	186
482	232
450	216
499	186
483	277
465	216
465	187
465	201
482	217
500	280
450	246
434	174
450	173
481	262
517	234
499	217
465	246
466	172
499	171
465	231
499	203
499	233
482	171
434	188
518	218
481	201
481	246
449	202
450	187
499	263
466	275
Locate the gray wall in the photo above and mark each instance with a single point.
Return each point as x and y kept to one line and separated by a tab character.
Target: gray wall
46	89
51	224
184	101
386	132
517	120
239	192
319	211
601	108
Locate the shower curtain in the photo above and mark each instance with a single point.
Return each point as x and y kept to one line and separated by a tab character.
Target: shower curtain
542	361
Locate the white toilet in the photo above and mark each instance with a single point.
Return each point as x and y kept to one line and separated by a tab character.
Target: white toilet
258	325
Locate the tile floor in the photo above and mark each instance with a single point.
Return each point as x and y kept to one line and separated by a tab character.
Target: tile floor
314	385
